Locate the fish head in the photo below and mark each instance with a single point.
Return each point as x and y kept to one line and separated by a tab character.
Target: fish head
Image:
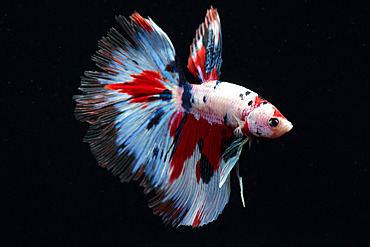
266	122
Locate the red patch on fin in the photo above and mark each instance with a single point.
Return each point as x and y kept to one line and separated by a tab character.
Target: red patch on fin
142	87
199	61
213	75
197	219
191	131
139	20
197	169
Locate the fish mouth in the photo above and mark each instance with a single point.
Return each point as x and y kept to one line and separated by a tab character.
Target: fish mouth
288	126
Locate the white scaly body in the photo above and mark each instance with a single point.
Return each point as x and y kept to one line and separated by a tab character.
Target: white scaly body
214	100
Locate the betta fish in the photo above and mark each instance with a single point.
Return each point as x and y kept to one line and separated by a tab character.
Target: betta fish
181	139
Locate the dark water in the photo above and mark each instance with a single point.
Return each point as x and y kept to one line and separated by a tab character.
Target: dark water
308	188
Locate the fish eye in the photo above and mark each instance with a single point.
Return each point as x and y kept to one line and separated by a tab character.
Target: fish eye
273	122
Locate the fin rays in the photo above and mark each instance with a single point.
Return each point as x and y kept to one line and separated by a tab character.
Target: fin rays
138	108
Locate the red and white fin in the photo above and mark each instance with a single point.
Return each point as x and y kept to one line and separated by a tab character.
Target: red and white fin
205	52
192	195
141	126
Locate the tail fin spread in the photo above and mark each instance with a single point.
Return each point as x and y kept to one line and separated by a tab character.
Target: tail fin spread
129	105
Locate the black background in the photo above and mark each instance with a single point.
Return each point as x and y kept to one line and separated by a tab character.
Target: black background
307	188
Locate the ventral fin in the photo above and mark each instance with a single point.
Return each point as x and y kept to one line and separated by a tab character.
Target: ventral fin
230	158
205	52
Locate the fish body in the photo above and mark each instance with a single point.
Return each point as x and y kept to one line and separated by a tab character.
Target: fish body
182	139
230	104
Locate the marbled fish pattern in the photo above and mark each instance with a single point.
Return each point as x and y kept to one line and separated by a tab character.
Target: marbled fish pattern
148	122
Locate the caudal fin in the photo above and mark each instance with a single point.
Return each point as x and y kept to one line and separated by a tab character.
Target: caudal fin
130	103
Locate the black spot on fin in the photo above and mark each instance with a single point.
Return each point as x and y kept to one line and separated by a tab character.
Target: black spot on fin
226	120
177	134
171	67
155	119
200	144
205	169
155	151
165	95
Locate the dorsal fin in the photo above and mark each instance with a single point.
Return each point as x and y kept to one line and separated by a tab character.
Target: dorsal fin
205	52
